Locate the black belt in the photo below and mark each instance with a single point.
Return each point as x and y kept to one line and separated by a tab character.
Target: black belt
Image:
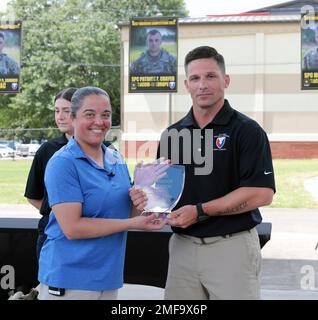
209	240
204	240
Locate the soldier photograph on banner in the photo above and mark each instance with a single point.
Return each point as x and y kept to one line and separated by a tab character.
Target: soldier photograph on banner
309	51
10	56
153	55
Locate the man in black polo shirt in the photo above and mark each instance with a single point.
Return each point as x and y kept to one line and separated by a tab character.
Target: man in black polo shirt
35	190
214	251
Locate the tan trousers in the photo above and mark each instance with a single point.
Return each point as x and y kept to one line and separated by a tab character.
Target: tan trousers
77	294
223	268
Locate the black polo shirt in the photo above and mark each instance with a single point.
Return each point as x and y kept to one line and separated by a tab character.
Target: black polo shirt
35	188
241	157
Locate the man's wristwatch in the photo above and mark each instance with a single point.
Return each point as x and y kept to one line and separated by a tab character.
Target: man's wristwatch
202	216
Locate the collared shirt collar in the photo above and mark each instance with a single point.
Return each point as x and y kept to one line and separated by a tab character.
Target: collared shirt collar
62	139
76	150
222	117
111	157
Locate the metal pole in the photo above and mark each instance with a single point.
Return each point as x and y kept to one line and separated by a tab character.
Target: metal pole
170	109
14	148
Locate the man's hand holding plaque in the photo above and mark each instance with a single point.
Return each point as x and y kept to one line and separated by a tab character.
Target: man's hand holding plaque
162	184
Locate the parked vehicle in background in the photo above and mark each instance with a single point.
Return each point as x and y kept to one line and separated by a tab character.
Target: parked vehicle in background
5	143
33	148
29	149
13	144
6	152
22	150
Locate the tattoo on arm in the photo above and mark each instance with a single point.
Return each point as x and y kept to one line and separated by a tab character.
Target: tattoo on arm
234	210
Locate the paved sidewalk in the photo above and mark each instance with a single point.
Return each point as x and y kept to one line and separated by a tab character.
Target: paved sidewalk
290	258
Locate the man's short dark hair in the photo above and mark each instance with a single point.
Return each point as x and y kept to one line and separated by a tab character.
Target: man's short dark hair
152	32
204	52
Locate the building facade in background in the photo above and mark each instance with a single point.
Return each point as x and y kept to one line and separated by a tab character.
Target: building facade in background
262	51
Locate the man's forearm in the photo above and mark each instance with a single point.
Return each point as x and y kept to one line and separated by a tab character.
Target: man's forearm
239	201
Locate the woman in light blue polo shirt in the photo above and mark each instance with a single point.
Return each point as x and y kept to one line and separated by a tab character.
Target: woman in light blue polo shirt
88	189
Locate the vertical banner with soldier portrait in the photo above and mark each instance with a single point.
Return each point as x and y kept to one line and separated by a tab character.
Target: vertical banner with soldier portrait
10	56
309	51
153	55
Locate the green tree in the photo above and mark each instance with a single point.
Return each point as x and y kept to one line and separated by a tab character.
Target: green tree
71	43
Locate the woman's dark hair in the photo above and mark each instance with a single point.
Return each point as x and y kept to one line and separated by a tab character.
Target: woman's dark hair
81	94
66	94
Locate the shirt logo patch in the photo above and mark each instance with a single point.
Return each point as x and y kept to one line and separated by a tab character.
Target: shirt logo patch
220	141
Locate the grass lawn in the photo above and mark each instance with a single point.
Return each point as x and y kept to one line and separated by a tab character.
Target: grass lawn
13	176
290	176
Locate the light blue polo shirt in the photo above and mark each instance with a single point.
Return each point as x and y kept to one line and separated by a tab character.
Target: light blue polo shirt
85	264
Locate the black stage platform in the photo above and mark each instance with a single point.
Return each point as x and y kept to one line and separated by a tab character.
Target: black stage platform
146	255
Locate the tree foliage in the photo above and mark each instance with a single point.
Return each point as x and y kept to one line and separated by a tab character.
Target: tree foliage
71	43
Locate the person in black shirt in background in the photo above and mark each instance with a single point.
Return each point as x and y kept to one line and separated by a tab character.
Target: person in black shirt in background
214	250
35	191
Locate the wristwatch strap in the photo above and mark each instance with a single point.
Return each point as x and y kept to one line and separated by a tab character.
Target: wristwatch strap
201	214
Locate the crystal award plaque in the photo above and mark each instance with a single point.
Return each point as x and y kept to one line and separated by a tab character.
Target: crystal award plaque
163	185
